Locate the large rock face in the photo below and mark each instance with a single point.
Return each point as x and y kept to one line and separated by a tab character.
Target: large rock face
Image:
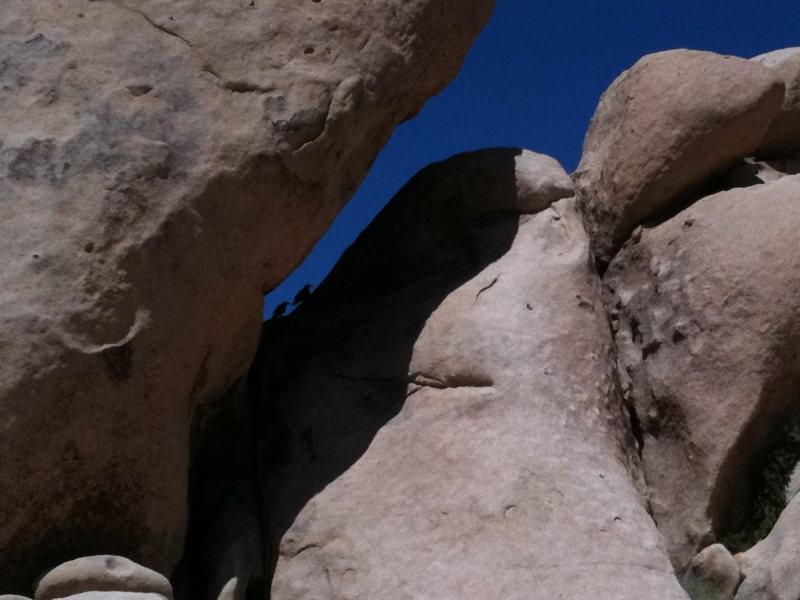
162	165
708	333
442	417
664	126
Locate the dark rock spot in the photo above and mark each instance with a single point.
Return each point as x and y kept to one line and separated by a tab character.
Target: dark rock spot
678	336
650	349
162	171
89	247
636	335
140	90
309	50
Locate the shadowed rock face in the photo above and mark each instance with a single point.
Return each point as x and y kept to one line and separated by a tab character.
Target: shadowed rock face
162	165
442	419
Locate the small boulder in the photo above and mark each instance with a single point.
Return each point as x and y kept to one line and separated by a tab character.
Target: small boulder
664	126
783	136
712	575
103	573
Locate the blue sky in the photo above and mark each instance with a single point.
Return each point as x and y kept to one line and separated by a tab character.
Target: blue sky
532	80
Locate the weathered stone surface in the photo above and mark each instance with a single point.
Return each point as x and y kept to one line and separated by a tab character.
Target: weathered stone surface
13	597
442	414
712	575
164	163
708	335
661	128
101	574
783	136
771	568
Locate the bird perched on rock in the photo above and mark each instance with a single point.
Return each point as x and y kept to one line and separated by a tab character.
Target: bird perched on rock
303	295
280	310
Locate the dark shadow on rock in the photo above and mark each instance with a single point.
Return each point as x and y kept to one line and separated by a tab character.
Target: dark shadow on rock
329	376
749	477
225	537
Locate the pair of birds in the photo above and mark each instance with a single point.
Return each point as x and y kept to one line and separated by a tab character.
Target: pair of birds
301	296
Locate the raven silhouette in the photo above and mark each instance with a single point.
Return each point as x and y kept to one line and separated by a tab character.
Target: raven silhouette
303	295
280	310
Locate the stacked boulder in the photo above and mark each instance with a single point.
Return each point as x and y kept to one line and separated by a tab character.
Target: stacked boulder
703	283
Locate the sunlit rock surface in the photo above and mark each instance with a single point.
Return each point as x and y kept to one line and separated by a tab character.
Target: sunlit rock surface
162	165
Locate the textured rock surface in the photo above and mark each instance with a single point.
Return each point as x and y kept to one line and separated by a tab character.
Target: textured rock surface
772	567
162	164
444	420
708	330
783	136
661	128
101	574
712	575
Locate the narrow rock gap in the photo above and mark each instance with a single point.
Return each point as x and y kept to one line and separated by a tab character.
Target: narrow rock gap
636	427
